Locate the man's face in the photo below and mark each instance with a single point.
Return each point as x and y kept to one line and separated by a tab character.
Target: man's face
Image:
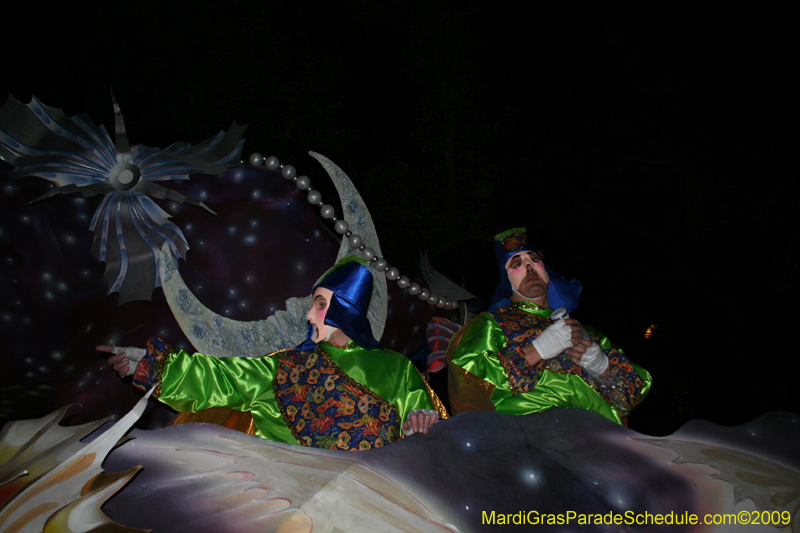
316	315
527	274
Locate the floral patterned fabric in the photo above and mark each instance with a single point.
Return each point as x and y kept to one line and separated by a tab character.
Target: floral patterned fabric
520	327
325	408
346	398
515	242
148	372
488	370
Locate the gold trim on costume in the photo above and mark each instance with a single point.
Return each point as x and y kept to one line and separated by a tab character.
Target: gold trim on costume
221	416
437	403
467	391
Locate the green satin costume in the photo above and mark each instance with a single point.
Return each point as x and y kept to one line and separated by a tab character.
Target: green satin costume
193	382
478	380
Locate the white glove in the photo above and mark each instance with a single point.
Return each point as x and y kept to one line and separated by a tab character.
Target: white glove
594	360
553	340
420	411
132	355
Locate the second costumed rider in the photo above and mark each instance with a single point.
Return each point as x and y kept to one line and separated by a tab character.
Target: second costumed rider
339	389
516	360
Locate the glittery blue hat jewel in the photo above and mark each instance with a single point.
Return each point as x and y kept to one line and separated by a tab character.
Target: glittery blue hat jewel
351	283
560	293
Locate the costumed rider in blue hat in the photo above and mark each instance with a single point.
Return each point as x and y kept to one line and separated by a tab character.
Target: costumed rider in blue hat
339	389
526	355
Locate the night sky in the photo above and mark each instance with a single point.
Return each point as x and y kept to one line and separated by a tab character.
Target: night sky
645	150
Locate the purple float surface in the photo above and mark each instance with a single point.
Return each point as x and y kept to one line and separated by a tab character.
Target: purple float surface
196	477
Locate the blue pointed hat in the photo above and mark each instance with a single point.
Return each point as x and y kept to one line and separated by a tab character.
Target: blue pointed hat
560	293
351	283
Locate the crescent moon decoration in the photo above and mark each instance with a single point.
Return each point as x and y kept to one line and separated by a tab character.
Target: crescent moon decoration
359	220
79	157
214	334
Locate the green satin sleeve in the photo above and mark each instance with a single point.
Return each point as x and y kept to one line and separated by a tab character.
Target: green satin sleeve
554	390
477	349
388	374
193	382
477	354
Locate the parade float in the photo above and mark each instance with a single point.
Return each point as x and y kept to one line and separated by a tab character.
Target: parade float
193	244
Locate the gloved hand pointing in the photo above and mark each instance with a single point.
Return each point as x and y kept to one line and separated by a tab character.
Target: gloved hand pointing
125	358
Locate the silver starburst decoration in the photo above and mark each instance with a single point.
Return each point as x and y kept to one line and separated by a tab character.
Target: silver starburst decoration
79	157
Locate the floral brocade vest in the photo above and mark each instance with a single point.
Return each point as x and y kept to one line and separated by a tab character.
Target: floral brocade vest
325	408
520	327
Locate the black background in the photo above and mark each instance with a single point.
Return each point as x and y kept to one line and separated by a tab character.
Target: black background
647	150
